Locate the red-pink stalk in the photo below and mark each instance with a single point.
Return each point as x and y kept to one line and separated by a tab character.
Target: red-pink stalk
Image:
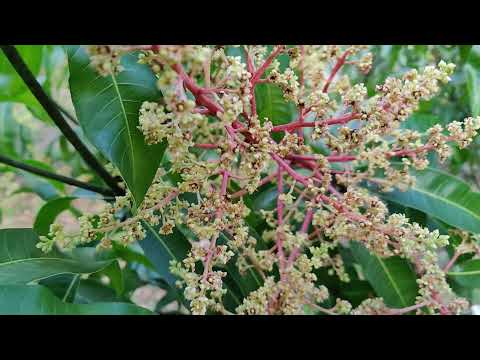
264	181
338	65
223	189
304	229
341	158
288	169
407	309
206	146
280	207
300	124
213	241
452	261
266	64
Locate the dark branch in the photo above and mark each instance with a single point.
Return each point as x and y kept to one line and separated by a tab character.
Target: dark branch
50	175
66	113
51	108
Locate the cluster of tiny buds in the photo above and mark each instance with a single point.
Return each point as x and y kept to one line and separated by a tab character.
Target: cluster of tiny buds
223	150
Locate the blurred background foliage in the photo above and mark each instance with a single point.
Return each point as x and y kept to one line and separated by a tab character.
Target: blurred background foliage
27	134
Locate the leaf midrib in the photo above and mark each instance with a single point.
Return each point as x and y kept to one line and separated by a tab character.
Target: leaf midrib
464	273
392	281
117	90
161	240
446	200
42	258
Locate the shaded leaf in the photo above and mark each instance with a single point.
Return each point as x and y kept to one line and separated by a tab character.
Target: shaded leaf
391	278
161	249
115	274
442	196
49	212
473	89
38	300
107	109
272	105
11	84
466	273
63	286
21	262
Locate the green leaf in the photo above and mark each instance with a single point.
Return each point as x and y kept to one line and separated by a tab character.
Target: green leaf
391	278
107	109
464	52
442	196
115	274
12	87
93	291
467	273
38	300
247	282
161	249
11	84
49	212
272	105
56	69
473	89
14	137
63	286
131	256
21	262
355	291
421	122
266	199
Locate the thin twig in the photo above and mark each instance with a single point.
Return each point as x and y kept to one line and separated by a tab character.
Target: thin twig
52	110
66	113
50	175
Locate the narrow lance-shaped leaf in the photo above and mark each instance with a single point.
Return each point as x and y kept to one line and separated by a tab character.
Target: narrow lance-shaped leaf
108	109
63	286
38	300
473	89
11	84
391	278
161	249
49	212
21	262
272	106
442	196
467	273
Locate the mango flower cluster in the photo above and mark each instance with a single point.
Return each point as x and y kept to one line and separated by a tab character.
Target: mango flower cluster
224	151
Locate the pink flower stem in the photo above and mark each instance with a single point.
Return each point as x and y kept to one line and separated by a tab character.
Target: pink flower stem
266	64
302	157
301	121
334	191
264	181
206	146
341	158
250	67
296	176
251	70
407	309
199	93
223	190
452	261
201	110
213	241
338	65
304	229
300	124
280	207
